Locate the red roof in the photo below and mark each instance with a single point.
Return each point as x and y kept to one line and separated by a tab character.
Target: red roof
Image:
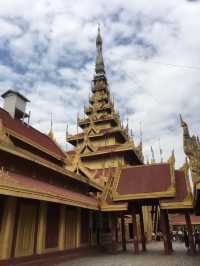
179	219
144	179
30	133
36	189
181	187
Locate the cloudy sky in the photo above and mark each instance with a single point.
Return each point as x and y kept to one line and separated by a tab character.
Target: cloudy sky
151	52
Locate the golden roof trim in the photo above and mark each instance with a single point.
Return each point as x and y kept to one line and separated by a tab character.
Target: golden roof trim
170	192
112	207
34	144
177	205
36	159
18	191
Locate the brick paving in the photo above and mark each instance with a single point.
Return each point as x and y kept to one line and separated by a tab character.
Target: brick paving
153	257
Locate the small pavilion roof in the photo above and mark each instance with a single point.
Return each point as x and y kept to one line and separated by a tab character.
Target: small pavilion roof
154	181
12	184
30	135
183	198
179	219
105	199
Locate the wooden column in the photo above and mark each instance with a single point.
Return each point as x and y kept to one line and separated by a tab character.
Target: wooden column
123	233
36	227
7	228
170	235
192	249
143	237
116	229
166	232
78	227
61	239
113	232
41	228
91	228
135	232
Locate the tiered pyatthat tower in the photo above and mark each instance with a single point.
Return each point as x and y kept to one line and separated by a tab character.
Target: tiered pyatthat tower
104	142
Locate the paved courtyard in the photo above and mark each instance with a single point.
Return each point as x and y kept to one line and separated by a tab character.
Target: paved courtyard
153	257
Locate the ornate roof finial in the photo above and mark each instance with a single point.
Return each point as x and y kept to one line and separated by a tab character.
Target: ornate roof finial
172	158
152	156
67	130
50	134
161	152
141	133
184	126
127	124
99	67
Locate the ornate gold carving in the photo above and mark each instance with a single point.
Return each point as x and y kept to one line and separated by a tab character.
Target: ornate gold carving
11	187
192	150
172	161
28	141
34	158
4	137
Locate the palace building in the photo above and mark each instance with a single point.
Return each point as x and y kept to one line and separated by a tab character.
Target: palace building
99	194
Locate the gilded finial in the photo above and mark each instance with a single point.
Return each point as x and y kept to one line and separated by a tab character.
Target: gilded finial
187	167
67	130
77	123
99	67
50	134
161	152
131	132
184	126
152	156
172	158
141	133
127	124
172	161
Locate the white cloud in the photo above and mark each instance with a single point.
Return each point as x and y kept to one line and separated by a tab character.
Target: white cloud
47	48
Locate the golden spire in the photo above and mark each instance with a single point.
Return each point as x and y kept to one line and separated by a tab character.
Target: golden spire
152	156
50	134
99	67
172	161
141	134
185	127
161	152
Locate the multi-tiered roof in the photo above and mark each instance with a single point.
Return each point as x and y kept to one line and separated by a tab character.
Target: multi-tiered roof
103	134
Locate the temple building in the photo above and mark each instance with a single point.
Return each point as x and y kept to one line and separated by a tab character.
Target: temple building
99	194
